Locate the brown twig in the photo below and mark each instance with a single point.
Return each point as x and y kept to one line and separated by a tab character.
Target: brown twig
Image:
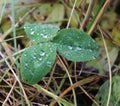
89	10
77	84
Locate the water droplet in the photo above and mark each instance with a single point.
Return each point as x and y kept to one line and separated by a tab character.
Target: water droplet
51	50
25	54
25	27
45	36
40	59
41	34
26	64
34	57
78	48
34	53
32	32
33	40
49	63
31	29
70	47
42	53
90	50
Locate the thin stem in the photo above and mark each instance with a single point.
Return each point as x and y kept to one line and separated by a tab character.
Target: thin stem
89	10
2	60
95	15
2	12
8	95
10	39
13	25
27	101
74	95
63	80
63	101
109	67
73	8
99	16
89	96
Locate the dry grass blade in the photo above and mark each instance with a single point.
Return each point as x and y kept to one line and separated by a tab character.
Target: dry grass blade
109	68
106	4
27	101
77	84
9	94
87	16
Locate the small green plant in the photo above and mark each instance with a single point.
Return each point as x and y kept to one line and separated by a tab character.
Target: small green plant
102	94
37	60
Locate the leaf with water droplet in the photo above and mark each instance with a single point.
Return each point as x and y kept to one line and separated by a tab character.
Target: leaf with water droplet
40	32
76	45
36	62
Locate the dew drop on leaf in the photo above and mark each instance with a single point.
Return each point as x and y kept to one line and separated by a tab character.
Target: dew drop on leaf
49	63
90	50
78	48
76	45
33	40
25	54
51	50
42	53
40	59
42	32
32	32
26	64
70	47
34	53
37	62
31	29
34	57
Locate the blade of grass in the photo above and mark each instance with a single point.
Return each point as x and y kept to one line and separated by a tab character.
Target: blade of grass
74	95
87	16
97	18
9	94
86	93
64	78
10	39
15	43
77	84
73	8
27	101
96	14
109	68
13	25
67	72
63	101
20	51
21	19
3	8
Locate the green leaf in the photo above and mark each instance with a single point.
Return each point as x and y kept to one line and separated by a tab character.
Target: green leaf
102	95
76	45
36	62
40	32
